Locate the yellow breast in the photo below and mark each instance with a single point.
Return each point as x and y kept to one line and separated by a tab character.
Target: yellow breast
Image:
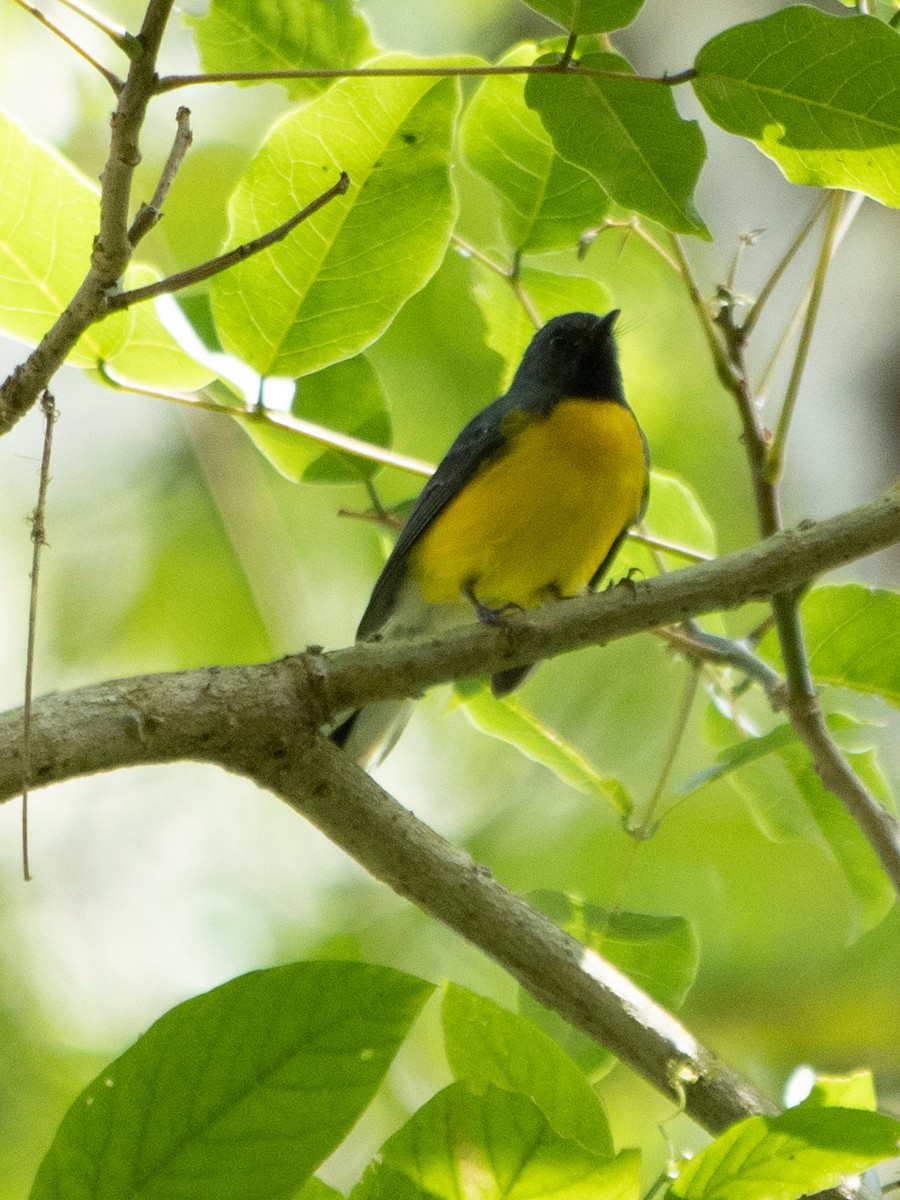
540	519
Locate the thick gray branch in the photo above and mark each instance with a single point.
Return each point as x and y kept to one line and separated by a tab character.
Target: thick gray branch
193	714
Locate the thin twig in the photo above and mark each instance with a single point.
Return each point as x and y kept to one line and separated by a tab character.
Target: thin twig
657	543
744	240
257	415
113	80
38	539
169	83
629	225
839	778
215	266
117	33
112	249
775	456
766	378
468	250
692	641
772	282
724	368
647	825
148	214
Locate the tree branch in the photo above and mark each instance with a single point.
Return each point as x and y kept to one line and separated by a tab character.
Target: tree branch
112	248
124	723
248	720
169	83
148	214
215	266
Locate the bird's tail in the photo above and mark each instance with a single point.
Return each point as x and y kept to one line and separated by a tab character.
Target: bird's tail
370	733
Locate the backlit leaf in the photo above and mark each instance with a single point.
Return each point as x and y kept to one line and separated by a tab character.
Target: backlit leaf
335	283
627	133
239	1093
488	1045
546	202
593	16
282	35
818	93
499	1146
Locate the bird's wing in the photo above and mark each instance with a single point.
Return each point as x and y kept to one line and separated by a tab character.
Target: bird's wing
478	441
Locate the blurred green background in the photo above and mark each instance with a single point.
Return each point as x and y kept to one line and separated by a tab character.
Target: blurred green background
173	544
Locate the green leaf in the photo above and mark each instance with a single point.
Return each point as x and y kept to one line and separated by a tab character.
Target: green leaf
871	890
487	1044
333	286
626	133
381	1183
592	16
239	1093
315	1189
819	94
151	357
739	754
347	398
843	1091
660	954
49	216
509	327
852	638
511	722
674	514
282	35
546	202
499	1146
770	788
798	1153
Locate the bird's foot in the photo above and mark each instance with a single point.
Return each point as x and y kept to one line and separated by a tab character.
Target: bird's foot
489	615
627	580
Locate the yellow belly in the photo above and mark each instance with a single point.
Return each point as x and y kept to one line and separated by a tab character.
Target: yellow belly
541	519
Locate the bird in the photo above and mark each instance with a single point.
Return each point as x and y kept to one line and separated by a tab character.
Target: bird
529	506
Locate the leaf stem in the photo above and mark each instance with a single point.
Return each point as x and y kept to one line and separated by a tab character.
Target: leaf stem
510	274
629	225
168	83
279	420
643	831
117	33
775	456
774	279
469	250
112	79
